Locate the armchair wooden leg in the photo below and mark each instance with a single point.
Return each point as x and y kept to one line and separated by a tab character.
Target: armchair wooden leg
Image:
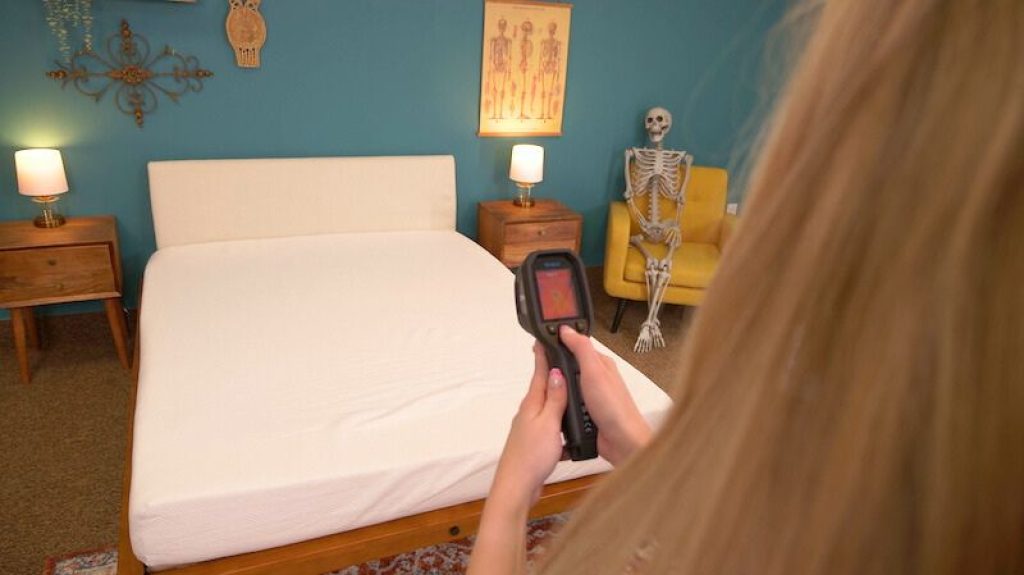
618	314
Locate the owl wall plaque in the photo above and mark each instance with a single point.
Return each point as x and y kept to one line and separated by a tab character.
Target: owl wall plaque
247	32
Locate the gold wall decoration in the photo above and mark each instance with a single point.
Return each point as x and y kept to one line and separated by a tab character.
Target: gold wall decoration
525	57
137	77
247	32
65	18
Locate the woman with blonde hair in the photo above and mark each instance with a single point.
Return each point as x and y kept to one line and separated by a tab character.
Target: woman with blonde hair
852	398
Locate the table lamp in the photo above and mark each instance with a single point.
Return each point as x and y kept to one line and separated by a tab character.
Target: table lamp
526	170
41	177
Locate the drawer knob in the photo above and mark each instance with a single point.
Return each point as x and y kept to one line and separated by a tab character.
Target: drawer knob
51	262
541	232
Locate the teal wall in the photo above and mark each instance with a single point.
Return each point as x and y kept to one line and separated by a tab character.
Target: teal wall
369	77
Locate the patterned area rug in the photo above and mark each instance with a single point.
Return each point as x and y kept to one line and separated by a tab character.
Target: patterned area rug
94	562
435	560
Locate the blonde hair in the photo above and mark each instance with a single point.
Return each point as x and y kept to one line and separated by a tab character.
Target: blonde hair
852	398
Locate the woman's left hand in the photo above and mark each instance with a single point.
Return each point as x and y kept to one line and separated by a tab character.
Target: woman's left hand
533	447
534	443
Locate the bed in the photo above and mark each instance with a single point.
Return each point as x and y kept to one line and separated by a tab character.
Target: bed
326	369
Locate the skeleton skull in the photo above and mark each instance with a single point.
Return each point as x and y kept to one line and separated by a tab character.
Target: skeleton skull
657	122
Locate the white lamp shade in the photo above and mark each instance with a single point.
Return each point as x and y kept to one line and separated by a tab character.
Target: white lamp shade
527	164
40	172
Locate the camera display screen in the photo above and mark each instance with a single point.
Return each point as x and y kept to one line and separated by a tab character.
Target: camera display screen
557	294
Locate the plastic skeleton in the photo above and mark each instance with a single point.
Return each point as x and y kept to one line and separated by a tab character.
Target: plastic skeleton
655	174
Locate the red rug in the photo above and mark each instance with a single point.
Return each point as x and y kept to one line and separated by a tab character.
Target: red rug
435	560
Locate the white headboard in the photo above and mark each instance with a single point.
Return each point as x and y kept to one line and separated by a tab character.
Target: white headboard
198	201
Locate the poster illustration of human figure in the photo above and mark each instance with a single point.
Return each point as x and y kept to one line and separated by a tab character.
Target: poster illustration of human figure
522	79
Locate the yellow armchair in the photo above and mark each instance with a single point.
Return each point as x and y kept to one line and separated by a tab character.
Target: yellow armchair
706	227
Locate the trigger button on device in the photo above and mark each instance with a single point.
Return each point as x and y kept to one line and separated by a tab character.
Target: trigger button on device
552	329
581	326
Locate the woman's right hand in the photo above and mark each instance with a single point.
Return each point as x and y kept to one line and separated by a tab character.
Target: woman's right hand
622	430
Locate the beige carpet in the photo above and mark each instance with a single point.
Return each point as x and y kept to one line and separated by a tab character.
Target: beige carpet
62	437
61	443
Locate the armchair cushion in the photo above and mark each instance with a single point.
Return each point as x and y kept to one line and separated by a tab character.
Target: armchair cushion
693	264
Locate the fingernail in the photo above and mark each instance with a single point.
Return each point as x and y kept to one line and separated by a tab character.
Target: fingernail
555	377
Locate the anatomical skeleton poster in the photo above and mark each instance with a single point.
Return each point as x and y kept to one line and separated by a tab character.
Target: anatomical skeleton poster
525	56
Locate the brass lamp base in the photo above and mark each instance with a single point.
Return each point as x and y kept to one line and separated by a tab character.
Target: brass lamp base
523	199
54	221
49	218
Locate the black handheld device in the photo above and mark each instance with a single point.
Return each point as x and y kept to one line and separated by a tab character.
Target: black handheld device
551	290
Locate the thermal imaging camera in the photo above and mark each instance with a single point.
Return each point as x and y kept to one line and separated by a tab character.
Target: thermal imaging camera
551	291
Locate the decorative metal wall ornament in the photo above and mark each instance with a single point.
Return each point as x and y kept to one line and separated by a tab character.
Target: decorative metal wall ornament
139	77
62	16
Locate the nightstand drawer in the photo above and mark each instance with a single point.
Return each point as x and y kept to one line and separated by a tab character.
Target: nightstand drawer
541	231
511	233
56	274
514	254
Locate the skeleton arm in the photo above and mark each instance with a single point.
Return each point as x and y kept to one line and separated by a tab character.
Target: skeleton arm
630	156
675	235
688	160
629	185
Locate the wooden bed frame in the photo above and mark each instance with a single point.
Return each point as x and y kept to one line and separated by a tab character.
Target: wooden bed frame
431	209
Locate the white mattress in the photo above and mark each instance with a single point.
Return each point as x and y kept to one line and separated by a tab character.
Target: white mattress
292	388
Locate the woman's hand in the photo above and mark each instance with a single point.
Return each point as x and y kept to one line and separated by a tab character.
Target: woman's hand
533	448
534	443
621	429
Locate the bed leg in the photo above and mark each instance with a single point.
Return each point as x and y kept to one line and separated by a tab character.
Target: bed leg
128	564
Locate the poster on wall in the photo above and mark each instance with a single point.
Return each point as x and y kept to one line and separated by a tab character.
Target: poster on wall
525	56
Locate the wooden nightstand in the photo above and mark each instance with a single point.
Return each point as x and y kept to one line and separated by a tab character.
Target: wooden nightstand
78	261
511	232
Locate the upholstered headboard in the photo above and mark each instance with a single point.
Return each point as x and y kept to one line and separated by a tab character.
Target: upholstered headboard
198	201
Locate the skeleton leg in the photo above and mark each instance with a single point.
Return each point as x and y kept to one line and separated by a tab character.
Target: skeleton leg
664	275
650	275
658	276
648	329
646	339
